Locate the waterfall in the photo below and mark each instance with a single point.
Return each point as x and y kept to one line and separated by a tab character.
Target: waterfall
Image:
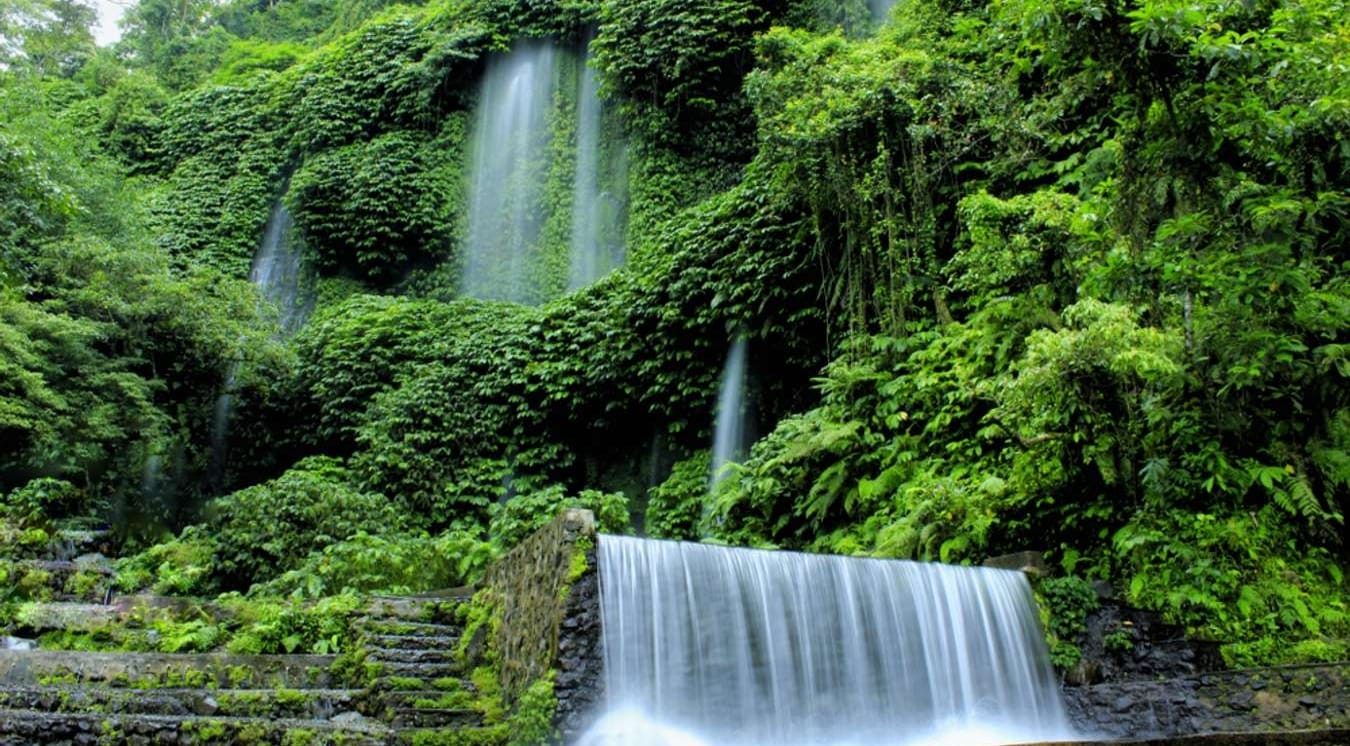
589	262
510	161
599	186
729	432
880	8
741	647
278	272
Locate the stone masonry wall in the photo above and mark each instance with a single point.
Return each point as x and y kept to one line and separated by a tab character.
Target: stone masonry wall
550	616
1284	698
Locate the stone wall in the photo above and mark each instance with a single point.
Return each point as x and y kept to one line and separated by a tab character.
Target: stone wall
550	616
1281	698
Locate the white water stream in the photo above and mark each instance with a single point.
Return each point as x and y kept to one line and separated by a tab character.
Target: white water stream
714	646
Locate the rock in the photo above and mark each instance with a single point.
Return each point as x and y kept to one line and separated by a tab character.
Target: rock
1242	701
206	706
1123	704
1029	562
18	643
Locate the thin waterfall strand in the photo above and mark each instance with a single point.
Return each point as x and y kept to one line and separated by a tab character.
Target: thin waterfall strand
729	431
589	260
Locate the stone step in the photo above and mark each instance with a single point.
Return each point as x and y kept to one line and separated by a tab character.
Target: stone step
308	704
423	699
493	735
31	727
413	642
415	608
421	671
410	655
427	717
25	668
401	628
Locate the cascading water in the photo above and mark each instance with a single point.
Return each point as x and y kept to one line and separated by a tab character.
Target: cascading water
729	431
510	152
588	260
599	180
278	272
740	647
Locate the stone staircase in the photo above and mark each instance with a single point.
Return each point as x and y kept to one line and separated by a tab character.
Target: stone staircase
417	685
399	683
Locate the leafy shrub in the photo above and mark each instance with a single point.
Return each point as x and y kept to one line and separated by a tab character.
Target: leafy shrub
373	208
675	507
183	566
271	627
389	563
522	515
263	531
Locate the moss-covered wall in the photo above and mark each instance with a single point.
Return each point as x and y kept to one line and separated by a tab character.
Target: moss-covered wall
550	616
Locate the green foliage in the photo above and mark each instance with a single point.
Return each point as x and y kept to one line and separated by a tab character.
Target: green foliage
389	562
374	207
676	507
290	627
183	566
522	515
532	721
265	530
685	59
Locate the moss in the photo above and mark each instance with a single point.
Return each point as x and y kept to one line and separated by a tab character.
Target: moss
404	683
252	733
487	682
205	731
447	684
577	565
300	737
481	612
491	736
532	722
460	700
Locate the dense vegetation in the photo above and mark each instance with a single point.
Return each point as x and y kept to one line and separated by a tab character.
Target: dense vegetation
1066	274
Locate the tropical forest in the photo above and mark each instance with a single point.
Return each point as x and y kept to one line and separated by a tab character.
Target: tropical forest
309	306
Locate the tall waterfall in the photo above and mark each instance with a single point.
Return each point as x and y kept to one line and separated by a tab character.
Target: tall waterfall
880	8
739	647
599	186
589	260
729	431
510	150
523	242
278	272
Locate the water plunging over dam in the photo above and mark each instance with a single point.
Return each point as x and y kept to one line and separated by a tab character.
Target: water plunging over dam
738	647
